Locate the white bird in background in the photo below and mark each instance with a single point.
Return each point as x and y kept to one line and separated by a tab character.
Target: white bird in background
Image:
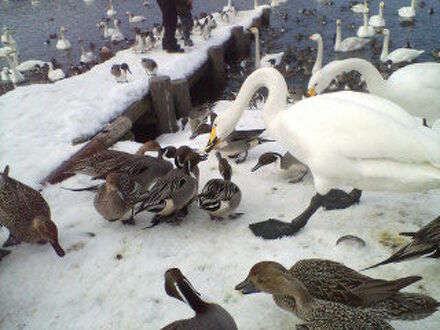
107	31
267	60
135	19
111	12
377	21
349	44
117	34
15	76
360	8
318	63
86	57
408	12
55	74
398	55
366	31
30	65
4	74
63	43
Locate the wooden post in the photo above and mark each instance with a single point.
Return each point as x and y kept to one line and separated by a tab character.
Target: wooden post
182	97
265	17
239	43
163	105
216	56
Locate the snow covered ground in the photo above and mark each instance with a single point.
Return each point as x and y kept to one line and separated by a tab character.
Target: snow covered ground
94	288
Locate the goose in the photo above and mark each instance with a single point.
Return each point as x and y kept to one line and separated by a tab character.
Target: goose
63	43
267	60
408	12
26	214
415	88
332	281
366	31
318	63
220	197
208	315
111	12
117	34
425	242
398	55
15	76
288	166
107	31
382	136
292	295
360	8
377	21
348	44
86	57
135	19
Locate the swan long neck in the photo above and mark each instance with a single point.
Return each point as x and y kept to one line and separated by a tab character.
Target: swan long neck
413	4
365	20
81	44
257	50
338	36
255	4
381	11
384	53
318	63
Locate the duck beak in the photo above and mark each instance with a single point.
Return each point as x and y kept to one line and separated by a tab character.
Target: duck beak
311	91
246	287
213	140
256	167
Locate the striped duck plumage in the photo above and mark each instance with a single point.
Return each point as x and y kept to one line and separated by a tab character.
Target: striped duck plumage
26	214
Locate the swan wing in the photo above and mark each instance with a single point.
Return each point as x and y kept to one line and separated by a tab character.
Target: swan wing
422	75
353	43
404	54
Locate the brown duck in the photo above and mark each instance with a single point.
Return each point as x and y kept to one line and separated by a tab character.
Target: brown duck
25	213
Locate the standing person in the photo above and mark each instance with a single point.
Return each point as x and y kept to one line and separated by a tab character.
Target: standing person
169	21
184	12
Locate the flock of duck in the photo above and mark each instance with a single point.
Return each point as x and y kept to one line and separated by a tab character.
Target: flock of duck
382	140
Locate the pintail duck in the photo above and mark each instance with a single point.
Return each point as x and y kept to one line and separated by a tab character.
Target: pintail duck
26	214
208	315
150	66
119	71
169	197
220	197
116	197
426	242
288	165
291	294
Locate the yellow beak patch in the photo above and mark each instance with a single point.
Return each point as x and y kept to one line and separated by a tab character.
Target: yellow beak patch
312	91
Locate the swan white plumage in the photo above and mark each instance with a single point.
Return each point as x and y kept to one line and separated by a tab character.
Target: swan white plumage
415	87
15	76
86	57
63	43
268	59
349	44
408	12
111	12
377	21
345	138
360	7
4	74
366	31
30	65
135	19
318	63
55	74
117	34
7	38
398	55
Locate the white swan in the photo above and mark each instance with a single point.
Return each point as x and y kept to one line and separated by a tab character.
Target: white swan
15	76
345	138
55	74
30	65
268	60
377	21
366	31
7	38
63	43
408	12
318	63
398	55
111	12
117	34
349	44
86	57
135	19
415	87
360	7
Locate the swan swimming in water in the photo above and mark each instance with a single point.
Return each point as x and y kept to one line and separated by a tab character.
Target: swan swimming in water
345	138
366	31
111	12
360	8
348	44
318	63
63	43
408	12
377	21
398	55
268	59
415	87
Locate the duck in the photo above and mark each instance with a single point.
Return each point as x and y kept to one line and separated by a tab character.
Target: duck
119	71
26	214
349	44
107	31
364	160
117	35
318	63
360	8
172	193
86	57
425	242
220	197
366	31
208	315
398	55
135	19
290	294
415	87
15	76
268	59
63	43
288	166
377	21
408	12
150	66
139	43
111	12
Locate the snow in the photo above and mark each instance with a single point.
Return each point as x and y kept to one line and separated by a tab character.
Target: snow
41	120
91	288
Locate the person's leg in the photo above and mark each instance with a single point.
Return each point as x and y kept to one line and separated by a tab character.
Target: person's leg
187	24
169	22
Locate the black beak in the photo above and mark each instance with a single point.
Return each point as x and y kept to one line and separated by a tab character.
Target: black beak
204	157
256	167
246	287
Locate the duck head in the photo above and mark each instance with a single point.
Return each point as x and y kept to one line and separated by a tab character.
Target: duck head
48	231
266	159
224	167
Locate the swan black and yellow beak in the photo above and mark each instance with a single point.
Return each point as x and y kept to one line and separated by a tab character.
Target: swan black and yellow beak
311	91
213	140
